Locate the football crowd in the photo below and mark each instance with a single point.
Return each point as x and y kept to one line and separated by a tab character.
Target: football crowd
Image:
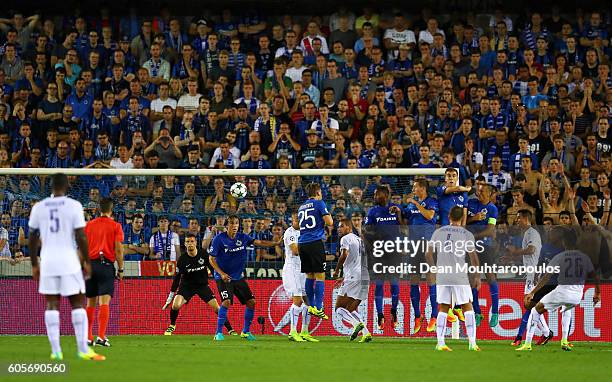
520	102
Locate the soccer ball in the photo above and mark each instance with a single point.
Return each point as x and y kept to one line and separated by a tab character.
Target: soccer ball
238	190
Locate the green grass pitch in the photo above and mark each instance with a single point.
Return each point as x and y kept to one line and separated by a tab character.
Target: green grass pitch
274	358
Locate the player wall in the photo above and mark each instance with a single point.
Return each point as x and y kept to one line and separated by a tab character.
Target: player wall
136	309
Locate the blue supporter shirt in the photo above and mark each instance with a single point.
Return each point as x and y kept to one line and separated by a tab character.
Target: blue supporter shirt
448	201
312	225
81	106
230	254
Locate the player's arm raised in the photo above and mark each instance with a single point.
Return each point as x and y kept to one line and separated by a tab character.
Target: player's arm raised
452	189
427	214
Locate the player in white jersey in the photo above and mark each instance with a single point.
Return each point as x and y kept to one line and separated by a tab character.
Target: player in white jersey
293	283
451	243
531	246
355	284
574	269
56	228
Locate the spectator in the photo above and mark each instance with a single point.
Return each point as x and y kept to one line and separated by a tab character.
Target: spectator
169	154
164	244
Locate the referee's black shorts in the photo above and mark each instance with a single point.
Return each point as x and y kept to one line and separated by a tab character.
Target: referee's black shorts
312	256
202	290
102	280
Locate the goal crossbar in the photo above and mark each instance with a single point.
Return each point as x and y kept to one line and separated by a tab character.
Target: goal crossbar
226	172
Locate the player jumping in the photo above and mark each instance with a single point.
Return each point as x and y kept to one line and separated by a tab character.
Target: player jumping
228	256
453	286
293	283
380	215
355	284
482	213
421	215
574	268
191	278
451	194
314	218
57	222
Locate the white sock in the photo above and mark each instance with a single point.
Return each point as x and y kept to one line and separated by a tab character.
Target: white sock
441	327
470	326
305	319
566	321
347	316
295	316
544	326
358	318
533	318
79	323
52	322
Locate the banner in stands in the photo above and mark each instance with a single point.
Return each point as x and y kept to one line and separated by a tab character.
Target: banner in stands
168	268
136	309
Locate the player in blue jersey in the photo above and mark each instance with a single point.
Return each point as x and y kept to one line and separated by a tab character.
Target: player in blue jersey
314	219
420	213
451	194
482	215
381	215
228	256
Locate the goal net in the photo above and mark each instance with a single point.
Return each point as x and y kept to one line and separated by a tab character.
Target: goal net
200	201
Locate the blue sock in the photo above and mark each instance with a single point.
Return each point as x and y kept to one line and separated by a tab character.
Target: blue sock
309	286
524	322
432	300
378	296
415	298
494	289
248	318
221	318
395	290
319	293
475	302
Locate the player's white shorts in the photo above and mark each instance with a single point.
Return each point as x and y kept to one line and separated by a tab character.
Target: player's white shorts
293	280
65	285
459	294
356	289
561	297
